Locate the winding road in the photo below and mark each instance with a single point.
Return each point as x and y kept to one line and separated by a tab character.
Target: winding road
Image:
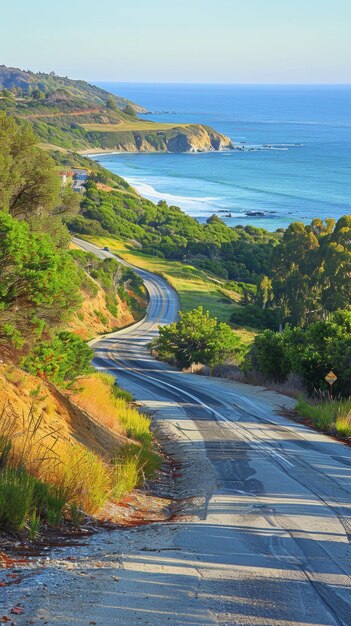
269	541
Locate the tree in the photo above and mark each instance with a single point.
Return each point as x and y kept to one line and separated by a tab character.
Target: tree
28	181
336	259
293	263
129	110
8	96
214	219
39	287
198	338
68	203
38	94
111	103
264	292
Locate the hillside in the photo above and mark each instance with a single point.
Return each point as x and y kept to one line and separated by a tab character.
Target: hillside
70	439
74	115
111	297
23	83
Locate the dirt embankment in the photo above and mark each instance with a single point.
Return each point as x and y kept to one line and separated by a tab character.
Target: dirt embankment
93	317
24	397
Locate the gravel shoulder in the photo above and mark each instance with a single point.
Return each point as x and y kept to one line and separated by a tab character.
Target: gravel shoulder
228	549
70	585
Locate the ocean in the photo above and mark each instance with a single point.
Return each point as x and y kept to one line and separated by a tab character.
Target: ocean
295	162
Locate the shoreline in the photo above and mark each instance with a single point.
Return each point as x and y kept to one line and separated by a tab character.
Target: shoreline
230	210
194	206
103	151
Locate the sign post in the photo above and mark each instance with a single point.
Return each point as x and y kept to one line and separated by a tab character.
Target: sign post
331	378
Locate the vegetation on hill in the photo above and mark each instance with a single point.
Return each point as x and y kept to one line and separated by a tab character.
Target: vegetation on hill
41	86
293	283
117	281
77	116
236	254
275	264
61	458
194	286
48	470
253	278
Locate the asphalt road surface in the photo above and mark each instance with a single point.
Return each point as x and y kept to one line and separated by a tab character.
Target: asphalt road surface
270	542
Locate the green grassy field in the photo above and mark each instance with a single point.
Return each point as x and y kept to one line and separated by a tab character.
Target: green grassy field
137	125
193	285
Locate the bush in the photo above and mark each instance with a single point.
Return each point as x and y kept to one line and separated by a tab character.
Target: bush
255	317
320	347
268	356
198	338
16	496
309	352
60	360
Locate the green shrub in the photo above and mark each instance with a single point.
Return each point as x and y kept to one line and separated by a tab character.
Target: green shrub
33	525
60	360
311	352
198	338
16	497
254	316
39	283
268	356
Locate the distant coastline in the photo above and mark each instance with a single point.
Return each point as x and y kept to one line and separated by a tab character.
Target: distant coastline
295	165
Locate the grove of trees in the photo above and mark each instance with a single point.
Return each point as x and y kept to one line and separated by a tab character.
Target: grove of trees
310	352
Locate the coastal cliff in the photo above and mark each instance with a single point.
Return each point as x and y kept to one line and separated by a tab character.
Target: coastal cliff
76	116
179	139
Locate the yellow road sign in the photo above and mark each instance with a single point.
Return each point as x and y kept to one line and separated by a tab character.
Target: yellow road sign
331	378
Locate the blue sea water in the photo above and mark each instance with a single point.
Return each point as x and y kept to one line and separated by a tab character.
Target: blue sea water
295	165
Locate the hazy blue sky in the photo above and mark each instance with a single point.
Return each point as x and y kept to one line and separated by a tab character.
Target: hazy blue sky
180	40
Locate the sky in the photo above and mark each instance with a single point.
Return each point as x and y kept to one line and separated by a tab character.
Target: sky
204	41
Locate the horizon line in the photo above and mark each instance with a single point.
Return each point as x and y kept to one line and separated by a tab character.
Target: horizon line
246	84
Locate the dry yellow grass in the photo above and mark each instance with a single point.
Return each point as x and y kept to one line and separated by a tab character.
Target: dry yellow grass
79	474
136	125
19	391
51	146
83	476
77	459
96	395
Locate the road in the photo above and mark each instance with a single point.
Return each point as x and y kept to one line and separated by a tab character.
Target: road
269	543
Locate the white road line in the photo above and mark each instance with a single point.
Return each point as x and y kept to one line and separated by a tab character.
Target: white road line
234	427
